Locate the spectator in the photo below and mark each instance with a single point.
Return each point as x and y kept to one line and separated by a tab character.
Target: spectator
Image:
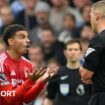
26	17
7	18
39	100
87	32
3	3
69	30
18	6
53	63
57	13
85	12
84	43
66	88
42	11
36	56
51	47
2	46
66	2
79	4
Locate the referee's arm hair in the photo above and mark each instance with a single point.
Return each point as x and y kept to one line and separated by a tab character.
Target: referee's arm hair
86	75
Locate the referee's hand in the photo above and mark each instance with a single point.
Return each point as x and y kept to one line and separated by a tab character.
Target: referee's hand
89	81
86	75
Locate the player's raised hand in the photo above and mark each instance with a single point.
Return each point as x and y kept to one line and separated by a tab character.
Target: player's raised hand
36	74
49	74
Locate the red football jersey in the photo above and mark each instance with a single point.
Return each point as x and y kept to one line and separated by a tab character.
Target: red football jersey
13	72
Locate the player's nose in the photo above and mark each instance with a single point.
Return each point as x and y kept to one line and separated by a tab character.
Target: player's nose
28	40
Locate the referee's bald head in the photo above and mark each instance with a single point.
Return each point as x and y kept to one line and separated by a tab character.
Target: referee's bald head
97	15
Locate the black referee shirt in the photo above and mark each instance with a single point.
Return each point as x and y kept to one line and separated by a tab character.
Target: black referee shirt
67	89
95	61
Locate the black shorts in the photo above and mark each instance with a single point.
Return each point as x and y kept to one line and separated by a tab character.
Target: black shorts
97	99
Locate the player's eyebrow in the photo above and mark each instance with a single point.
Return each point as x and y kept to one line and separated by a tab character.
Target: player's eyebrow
23	35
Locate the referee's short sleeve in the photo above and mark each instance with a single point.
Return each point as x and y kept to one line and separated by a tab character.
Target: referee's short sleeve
93	54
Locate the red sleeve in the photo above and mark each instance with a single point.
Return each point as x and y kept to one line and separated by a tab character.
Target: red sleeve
19	92
34	92
5	85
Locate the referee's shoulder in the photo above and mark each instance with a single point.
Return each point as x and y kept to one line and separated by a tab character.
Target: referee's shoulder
98	39
102	36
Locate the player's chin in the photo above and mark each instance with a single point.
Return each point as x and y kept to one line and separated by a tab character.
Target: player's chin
25	51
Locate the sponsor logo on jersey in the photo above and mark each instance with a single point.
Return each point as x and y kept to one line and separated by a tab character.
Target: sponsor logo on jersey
16	82
2	77
64	89
80	90
64	77
13	73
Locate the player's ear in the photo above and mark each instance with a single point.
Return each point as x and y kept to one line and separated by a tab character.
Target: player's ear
11	41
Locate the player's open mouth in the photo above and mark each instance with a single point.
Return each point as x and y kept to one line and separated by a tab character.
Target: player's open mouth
27	46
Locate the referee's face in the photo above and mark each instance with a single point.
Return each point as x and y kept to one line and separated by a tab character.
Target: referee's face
73	52
93	20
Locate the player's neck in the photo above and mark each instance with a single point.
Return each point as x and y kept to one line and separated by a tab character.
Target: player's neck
13	55
73	65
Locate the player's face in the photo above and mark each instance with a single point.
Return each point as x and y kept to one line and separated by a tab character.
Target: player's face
73	52
21	42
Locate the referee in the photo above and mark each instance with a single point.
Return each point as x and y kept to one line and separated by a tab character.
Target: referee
66	88
93	69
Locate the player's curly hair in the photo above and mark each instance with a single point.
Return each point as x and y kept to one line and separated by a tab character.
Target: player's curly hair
10	31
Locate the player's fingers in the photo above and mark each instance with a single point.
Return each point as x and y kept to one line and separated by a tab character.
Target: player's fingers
36	71
56	70
39	71
52	75
42	72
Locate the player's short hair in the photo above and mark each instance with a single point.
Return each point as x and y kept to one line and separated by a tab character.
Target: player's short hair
10	31
72	41
100	7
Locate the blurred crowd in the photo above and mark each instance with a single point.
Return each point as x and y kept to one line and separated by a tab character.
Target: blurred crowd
51	24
